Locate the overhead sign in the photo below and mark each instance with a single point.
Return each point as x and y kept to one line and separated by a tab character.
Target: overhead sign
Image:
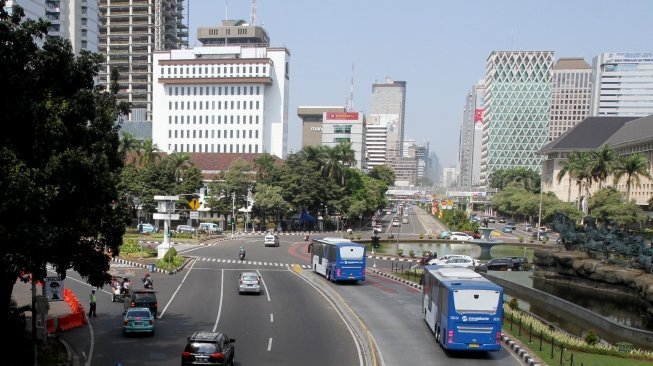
53	288
194	204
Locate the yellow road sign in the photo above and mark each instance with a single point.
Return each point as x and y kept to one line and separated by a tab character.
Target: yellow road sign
194	204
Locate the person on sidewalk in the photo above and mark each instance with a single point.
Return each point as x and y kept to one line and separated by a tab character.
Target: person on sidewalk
93	304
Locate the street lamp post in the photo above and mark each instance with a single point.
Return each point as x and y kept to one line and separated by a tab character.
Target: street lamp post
539	216
233	208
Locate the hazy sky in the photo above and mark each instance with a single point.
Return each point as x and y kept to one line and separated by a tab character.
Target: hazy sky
438	47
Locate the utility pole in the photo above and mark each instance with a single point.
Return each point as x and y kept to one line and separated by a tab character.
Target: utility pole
233	212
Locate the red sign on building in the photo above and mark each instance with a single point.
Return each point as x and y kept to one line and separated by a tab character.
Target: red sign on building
342	115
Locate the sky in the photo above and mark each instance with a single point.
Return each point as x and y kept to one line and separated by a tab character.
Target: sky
439	48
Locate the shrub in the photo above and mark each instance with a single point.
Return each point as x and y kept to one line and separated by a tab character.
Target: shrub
513	304
421	235
170	254
591	338
521	238
400	252
411	253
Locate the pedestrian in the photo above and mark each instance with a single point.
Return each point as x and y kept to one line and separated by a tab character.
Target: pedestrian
92	307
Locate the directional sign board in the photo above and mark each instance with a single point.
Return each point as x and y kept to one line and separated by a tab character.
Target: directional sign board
194	215
194	204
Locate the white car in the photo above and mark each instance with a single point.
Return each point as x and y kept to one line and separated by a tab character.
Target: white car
465	262
456	235
447	257
271	240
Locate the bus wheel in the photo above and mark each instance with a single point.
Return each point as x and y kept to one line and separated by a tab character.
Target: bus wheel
437	334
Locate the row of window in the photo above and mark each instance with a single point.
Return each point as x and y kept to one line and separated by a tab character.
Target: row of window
211	90
230	119
213	71
214	148
227	134
228	105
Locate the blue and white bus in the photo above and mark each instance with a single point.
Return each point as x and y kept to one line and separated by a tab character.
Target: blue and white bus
338	259
463	309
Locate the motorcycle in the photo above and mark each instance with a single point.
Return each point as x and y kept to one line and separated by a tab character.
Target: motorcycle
147	283
121	290
305	237
241	255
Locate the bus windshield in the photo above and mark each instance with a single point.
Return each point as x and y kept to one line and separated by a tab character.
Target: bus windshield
356	252
476	301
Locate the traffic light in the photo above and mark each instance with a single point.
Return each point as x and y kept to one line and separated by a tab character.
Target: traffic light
375	242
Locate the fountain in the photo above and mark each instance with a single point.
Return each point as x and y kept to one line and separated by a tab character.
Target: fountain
486	242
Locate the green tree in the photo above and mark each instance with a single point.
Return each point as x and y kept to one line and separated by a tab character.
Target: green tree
128	144
269	199
384	173
633	167
266	168
609	205
60	162
148	152
602	164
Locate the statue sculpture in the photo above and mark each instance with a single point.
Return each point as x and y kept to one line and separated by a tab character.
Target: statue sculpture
603	240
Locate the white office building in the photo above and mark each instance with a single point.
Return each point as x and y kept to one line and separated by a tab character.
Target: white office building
471	135
376	140
221	99
622	85
570	95
347	127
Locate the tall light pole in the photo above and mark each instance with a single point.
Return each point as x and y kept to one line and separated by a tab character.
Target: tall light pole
539	216
233	212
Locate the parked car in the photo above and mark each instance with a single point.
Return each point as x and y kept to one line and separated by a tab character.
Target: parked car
208	348
507	229
147	228
138	320
186	229
457	235
519	260
249	282
512	225
499	264
142	299
465	262
271	240
491	220
541	235
502	220
445	235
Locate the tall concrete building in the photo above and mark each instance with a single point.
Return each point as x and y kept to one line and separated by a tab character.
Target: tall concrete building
130	32
471	135
622	85
223	99
388	102
348	127
570	95
517	110
75	20
312	122
376	140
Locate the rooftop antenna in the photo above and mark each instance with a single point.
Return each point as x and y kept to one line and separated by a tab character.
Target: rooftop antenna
226	9
350	100
252	17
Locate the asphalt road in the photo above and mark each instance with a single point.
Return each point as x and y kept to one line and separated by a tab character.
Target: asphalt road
290	323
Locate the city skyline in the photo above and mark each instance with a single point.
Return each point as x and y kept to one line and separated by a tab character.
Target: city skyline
438	49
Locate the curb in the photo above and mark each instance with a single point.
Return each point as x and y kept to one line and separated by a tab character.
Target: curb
523	354
398	279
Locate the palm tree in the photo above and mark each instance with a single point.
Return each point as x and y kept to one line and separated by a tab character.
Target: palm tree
148	153
633	167
264	166
332	166
347	154
179	162
497	179
566	169
581	170
128	144
603	160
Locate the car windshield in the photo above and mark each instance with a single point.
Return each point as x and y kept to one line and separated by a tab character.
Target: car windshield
250	277
144	296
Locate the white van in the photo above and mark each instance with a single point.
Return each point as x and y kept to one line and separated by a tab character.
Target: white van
210	227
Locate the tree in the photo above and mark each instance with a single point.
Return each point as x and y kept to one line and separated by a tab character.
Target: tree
633	167
602	163
609	205
566	169
266	170
148	152
128	144
384	173
60	163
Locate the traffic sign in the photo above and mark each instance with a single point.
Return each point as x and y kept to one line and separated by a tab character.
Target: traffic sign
194	204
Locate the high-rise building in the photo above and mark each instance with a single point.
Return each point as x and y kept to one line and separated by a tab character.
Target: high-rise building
622	85
222	99
376	140
471	135
389	103
347	127
570	95
312	122
75	20
517	110
130	32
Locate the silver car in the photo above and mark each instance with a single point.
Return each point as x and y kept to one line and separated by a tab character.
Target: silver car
249	282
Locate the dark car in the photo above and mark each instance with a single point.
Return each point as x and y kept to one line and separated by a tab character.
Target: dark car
512	225
142	299
208	348
519	260
499	264
542	235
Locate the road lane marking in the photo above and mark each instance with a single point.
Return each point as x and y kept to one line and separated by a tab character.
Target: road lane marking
271	318
270	344
267	293
217	318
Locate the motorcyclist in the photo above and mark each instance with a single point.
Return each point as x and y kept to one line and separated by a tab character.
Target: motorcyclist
306	237
241	252
147	281
124	288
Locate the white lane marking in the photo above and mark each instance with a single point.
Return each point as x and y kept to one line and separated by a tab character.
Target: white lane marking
270	344
177	290
267	293
271	318
217	318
